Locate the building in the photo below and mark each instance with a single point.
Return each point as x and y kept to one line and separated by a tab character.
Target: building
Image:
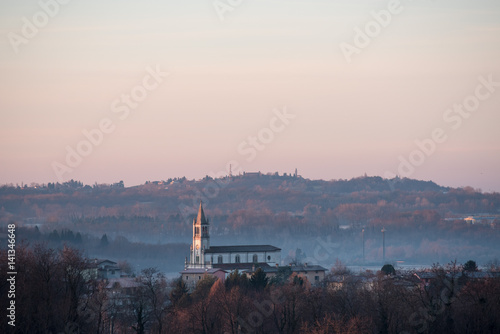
192	275
220	260
216	260
243	254
311	273
103	269
314	274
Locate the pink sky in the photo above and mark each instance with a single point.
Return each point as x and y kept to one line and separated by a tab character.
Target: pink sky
226	78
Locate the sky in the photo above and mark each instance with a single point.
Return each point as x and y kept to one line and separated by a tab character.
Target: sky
103	91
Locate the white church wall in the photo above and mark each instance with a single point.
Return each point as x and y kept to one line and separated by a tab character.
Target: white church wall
245	257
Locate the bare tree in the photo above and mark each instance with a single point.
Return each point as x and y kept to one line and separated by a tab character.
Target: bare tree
155	289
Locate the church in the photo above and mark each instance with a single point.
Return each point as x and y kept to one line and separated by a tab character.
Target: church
218	260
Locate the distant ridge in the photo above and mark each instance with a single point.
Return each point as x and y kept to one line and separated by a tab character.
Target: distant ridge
362	183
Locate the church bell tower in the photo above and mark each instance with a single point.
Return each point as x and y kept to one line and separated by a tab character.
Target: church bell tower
201	239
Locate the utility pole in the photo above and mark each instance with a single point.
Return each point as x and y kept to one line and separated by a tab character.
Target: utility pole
383	244
363	236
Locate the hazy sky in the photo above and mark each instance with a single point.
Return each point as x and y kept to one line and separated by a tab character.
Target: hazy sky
229	78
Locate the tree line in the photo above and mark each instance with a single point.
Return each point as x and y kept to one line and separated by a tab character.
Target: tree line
55	294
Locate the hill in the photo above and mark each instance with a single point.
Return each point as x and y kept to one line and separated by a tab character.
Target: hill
424	221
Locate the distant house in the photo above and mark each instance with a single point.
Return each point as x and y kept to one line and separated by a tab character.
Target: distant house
104	269
120	296
252	174
313	274
426	278
338	282
122	288
194	275
123	283
368	281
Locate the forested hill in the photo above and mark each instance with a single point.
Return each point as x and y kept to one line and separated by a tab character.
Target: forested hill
73	201
421	218
251	198
176	200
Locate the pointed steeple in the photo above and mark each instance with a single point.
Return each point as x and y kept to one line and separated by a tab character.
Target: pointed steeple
201	220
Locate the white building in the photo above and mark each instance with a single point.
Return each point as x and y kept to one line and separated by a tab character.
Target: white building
206	257
103	269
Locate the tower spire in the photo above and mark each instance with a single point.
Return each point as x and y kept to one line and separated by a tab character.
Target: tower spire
201	220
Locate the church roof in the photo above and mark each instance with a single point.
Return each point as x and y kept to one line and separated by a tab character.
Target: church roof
201	270
241	266
307	267
201	220
242	249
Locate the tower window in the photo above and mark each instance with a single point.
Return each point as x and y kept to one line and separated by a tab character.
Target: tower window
219	259
196	230
237	259
269	258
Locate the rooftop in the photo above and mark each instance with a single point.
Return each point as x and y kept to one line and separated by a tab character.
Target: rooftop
242	249
295	269
308	268
122	282
201	271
